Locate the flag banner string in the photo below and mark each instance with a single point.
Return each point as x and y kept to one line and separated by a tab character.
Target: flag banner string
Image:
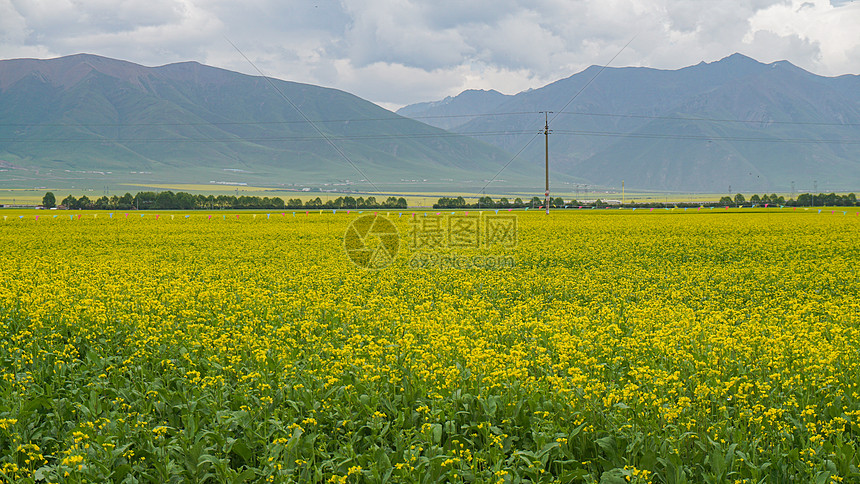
160	216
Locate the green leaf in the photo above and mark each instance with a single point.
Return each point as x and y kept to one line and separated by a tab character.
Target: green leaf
242	450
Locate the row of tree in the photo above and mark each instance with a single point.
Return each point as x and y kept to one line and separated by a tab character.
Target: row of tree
739	200
168	200
803	200
488	202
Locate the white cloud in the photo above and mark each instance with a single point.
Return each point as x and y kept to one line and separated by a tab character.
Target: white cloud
396	52
832	29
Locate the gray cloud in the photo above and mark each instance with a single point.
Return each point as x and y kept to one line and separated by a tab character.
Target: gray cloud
396	52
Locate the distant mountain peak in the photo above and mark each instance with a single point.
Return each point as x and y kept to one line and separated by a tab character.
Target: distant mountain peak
68	70
738	57
733	64
686	128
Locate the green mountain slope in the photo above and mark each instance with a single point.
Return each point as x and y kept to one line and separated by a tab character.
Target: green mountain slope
190	123
756	127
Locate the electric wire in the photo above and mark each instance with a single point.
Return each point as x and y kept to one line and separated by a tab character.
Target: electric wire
531	140
396	117
476	134
318	130
435	116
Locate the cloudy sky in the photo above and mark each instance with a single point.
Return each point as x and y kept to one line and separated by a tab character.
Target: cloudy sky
397	52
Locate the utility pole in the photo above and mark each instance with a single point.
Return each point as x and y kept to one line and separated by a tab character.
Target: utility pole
622	193
546	132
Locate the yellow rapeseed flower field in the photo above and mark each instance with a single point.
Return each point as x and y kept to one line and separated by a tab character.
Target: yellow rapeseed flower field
648	346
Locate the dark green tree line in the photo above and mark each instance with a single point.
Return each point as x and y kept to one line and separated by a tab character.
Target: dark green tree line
168	200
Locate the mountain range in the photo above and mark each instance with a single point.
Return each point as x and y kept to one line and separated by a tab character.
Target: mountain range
735	125
732	123
90	117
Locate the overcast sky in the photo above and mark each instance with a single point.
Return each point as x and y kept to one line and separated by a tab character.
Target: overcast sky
398	52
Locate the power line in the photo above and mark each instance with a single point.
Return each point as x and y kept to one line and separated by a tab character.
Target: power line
593	78
559	112
257	123
476	115
409	118
717	120
432	135
710	138
318	130
442	134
